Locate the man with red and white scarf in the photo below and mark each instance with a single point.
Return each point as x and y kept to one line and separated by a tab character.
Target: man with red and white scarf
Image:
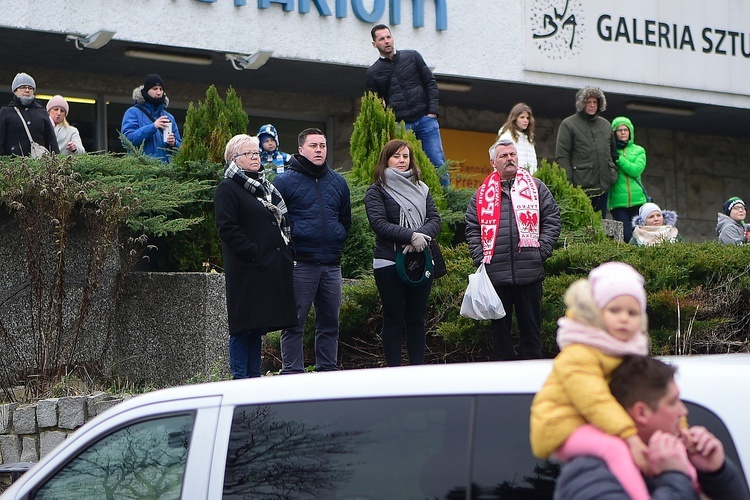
512	224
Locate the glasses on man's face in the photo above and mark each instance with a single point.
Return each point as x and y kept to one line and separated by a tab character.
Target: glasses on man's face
249	154
25	87
506	155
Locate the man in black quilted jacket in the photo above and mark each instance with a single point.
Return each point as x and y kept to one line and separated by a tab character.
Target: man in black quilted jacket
408	87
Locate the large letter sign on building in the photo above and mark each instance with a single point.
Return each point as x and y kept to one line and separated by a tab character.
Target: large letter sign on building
642	41
371	16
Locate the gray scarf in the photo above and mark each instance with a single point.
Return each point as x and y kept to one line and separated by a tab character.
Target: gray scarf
412	198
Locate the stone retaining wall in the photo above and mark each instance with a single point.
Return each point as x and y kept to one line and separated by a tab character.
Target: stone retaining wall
28	432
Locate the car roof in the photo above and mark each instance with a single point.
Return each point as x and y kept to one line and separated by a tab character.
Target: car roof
699	377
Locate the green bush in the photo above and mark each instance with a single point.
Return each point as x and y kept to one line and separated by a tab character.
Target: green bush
208	128
579	222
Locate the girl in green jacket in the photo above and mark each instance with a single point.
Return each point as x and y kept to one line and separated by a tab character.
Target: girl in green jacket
627	195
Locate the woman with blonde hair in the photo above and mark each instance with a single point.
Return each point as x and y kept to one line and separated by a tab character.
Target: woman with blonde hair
68	137
519	129
258	259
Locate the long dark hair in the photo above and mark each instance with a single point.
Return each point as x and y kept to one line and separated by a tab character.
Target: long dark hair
510	124
391	148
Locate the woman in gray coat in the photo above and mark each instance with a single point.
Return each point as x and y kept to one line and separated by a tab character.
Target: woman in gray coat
258	260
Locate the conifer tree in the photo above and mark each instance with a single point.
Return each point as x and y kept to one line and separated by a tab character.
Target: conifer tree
374	127
208	128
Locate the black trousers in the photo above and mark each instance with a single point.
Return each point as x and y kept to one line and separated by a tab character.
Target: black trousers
404	308
526	302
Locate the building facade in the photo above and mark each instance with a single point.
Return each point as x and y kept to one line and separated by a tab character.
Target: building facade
678	72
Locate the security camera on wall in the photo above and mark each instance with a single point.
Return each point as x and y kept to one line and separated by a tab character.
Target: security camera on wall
95	41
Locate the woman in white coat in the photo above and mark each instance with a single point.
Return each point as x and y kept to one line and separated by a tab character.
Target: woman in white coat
68	138
519	129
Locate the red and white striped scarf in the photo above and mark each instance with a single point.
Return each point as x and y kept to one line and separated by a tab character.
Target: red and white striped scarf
524	196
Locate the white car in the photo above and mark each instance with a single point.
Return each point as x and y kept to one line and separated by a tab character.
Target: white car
435	431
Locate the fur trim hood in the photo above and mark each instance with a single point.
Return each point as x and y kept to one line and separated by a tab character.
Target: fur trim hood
587	92
138	97
670	219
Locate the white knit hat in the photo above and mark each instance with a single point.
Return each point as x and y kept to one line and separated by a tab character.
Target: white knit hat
647	209
58	101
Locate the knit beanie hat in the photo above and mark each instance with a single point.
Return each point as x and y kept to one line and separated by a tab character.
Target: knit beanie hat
58	101
152	81
22	79
731	202
647	209
613	279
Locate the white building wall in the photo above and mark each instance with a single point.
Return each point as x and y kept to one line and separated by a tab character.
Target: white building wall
485	39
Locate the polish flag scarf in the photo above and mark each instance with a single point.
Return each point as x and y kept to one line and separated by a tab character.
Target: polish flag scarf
524	198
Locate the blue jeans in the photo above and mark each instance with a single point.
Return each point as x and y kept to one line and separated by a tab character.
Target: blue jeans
244	353
427	130
319	285
403	306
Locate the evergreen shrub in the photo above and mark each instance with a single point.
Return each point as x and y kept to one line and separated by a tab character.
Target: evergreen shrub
208	127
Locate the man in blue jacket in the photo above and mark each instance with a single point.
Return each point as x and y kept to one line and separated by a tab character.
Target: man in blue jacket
147	123
403	80
320	215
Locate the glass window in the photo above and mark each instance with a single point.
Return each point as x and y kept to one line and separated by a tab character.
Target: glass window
376	448
503	466
143	460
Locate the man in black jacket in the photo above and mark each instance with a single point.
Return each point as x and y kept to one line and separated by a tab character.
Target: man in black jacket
408	87
645	387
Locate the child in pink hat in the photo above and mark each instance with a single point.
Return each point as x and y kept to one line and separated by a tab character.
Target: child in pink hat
575	413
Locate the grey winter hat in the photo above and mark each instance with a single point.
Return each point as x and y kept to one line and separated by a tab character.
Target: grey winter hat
22	79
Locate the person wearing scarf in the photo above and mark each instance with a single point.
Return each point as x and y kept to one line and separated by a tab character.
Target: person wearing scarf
251	217
653	226
14	140
405	219
512	225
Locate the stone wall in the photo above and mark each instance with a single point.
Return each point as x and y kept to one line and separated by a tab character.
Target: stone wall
28	432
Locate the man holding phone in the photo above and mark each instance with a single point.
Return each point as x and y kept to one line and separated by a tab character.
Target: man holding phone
148	124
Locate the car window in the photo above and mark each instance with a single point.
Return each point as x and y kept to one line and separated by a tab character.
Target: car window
143	460
387	448
503	466
352	449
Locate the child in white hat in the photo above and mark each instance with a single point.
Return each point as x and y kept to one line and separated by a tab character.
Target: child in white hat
653	225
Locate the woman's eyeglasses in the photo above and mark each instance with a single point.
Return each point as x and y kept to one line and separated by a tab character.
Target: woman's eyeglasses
249	154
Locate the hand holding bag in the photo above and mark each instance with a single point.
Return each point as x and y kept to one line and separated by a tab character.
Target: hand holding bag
37	149
480	299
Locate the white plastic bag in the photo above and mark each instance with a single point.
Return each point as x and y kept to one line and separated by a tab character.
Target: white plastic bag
480	299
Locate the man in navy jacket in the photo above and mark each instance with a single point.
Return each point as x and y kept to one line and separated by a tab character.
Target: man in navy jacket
320	215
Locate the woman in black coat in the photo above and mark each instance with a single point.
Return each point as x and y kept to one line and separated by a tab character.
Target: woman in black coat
258	260
13	137
405	221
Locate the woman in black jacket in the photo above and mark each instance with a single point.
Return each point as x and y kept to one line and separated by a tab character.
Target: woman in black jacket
22	113
258	261
405	221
